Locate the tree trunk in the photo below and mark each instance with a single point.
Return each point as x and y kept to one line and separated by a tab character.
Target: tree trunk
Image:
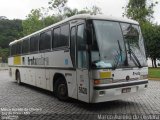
152	63
155	65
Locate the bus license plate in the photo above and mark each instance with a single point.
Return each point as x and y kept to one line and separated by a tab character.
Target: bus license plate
126	90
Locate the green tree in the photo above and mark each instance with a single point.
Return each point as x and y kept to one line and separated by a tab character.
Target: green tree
95	10
49	20
68	12
63	11
151	34
38	19
140	10
57	5
9	31
33	22
4	53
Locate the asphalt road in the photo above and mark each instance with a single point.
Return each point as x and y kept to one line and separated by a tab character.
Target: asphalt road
27	102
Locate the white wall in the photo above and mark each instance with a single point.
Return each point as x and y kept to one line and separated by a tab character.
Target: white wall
149	61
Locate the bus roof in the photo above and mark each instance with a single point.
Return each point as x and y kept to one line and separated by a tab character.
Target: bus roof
81	16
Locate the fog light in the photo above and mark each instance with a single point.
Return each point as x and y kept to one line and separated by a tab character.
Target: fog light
102	81
96	82
101	92
146	86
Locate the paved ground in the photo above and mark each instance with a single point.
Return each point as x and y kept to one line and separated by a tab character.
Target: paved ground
36	104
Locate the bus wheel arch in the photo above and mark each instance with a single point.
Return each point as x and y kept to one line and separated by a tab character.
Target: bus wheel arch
18	76
60	87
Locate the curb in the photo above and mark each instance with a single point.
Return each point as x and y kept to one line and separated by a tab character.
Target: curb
158	79
3	69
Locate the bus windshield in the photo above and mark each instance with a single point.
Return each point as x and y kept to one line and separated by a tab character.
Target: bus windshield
119	45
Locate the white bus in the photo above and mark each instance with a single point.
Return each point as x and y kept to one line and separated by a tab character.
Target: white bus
85	57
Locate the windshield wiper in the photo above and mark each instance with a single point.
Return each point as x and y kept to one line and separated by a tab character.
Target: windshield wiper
120	49
135	57
119	53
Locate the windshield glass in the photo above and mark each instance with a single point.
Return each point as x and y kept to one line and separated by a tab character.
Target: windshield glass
134	45
110	43
114	46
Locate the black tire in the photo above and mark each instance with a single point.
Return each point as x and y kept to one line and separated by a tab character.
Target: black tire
18	78
61	90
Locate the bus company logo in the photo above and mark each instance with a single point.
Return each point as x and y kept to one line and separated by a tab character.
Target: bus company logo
38	61
136	73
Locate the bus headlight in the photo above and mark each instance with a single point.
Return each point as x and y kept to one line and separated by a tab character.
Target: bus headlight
102	81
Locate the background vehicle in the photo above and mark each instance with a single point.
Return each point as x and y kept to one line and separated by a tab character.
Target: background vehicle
89	58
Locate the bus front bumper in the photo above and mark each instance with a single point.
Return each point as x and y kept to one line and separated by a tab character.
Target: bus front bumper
116	91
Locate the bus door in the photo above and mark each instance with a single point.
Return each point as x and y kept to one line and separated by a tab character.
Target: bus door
82	63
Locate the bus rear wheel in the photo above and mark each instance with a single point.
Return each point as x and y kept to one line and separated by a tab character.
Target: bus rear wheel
61	90
18	78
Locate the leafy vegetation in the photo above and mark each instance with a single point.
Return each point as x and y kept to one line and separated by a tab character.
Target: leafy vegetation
9	31
39	18
154	73
36	20
142	11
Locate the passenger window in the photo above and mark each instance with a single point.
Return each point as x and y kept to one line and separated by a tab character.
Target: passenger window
56	38
65	35
81	47
34	43
25	46
45	41
13	49
72	46
18	47
61	36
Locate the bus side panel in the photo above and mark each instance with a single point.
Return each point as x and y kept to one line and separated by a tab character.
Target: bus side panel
40	78
40	70
48	79
70	77
10	61
72	84
11	69
60	62
32	76
60	59
24	75
14	73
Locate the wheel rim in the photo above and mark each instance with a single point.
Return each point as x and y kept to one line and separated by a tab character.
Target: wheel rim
62	90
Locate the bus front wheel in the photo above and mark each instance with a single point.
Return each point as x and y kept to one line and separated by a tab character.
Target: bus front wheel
61	90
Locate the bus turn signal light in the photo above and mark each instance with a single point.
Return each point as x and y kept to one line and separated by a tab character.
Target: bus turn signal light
96	82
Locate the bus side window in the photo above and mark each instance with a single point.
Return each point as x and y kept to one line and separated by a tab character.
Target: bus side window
19	48
34	43
25	46
45	41
72	46
56	37
61	36
81	47
13	50
65	35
